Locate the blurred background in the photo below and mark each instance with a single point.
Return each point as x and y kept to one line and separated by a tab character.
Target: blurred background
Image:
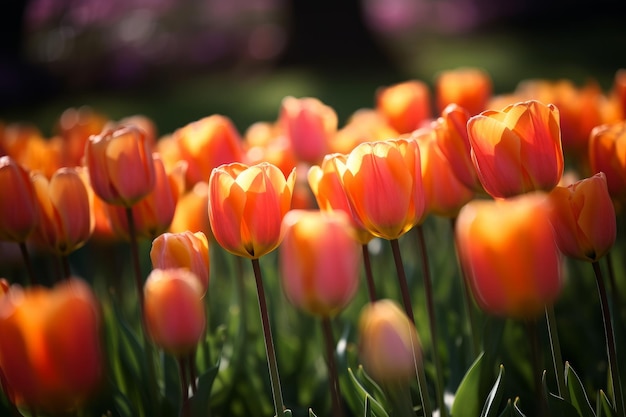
176	61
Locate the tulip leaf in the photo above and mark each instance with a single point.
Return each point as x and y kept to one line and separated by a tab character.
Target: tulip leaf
123	405
377	409
200	402
493	399
512	409
367	408
369	384
311	413
577	392
604	408
287	413
468	400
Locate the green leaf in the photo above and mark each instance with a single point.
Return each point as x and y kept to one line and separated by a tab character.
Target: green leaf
311	413
492	403
516	411
604	407
122	405
577	392
370	385
200	402
468	400
287	413
367	408
377	409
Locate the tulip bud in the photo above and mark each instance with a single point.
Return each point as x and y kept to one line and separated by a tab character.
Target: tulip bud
121	169
174	310
518	149
182	250
607	153
509	255
405	106
389	345
470	88
583	218
18	202
319	261
247	206
191	211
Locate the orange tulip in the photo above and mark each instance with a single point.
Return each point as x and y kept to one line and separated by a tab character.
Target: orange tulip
206	144
619	90
443	192
19	211
405	106
455	146
154	213
383	183
329	194
74	127
319	261
191	211
66	219
50	350
364	125
182	250
121	169
174	310
584	218
247	206
389	345
308	125
509	255
470	88
518	149
266	144
607	153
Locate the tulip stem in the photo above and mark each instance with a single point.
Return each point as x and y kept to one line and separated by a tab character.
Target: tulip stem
468	300
612	282
406	299
531	329
618	398
557	359
134	248
400	397
31	278
432	319
329	341
371	288
272	364
191	361
184	386
65	265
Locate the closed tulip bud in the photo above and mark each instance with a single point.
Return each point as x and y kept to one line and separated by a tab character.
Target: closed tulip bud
247	205
66	219
121	169
377	173
470	88
51	350
174	310
509	255
74	127
182	250
364	125
206	144
309	125
405	106
191	211
607	153
155	212
518	149
18	202
443	192
389	345
319	261
584	218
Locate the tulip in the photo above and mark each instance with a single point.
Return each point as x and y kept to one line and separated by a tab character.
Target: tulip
191	211
470	88
18	202
319	261
182	250
364	125
443	192
174	310
308	125
121	169
509	255
66	219
607	153
50	350
4	287
405	106
518	149
206	144
383	183
155	212
389	345
247	205
328	191
619	90
583	218
74	127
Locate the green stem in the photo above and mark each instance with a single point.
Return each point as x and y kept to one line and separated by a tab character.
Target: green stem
272	364
557	359
531	328
406	299
31	278
432	319
467	297
65	265
369	277
191	362
618	397
613	284
329	342
184	387
400	397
